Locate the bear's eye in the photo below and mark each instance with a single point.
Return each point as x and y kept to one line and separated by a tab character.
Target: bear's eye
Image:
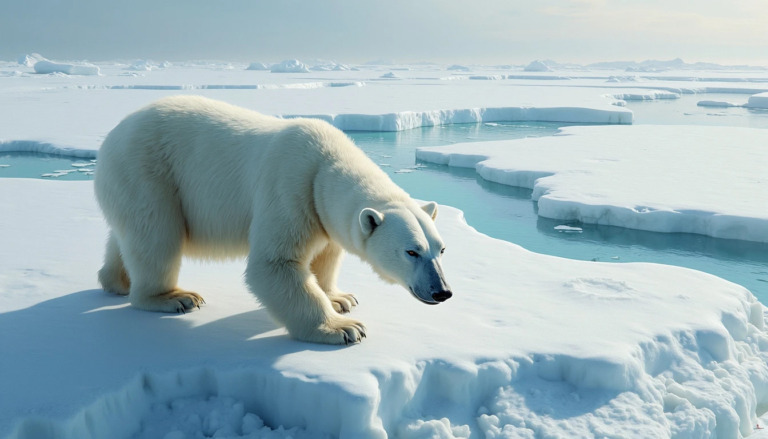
442	250
412	253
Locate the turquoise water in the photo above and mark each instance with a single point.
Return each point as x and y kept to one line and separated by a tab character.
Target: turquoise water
685	111
36	165
506	212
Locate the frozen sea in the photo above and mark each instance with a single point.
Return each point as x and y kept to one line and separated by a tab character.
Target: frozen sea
589	345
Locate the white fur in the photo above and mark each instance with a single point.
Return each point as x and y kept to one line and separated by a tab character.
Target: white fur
189	175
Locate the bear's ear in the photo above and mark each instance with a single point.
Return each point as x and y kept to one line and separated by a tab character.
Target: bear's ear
431	209
369	220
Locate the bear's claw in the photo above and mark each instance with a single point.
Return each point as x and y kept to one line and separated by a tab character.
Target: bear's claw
355	335
343	302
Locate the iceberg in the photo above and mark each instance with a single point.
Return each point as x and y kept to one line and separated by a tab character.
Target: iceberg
47	67
290	66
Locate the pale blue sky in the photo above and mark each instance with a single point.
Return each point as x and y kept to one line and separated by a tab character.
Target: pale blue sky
487	31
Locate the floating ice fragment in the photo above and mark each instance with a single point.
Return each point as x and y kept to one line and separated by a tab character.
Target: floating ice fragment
81	164
403	171
568	229
718	104
4	166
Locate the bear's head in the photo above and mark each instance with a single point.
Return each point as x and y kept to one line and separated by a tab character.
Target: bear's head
403	246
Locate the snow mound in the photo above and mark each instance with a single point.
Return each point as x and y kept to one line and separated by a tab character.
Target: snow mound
551	348
389	75
656	178
290	66
257	66
537	66
458	68
759	100
31	59
47	67
142	65
330	66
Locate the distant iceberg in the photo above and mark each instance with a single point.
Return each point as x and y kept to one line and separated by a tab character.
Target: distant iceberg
537	66
257	66
290	66
759	100
46	67
29	60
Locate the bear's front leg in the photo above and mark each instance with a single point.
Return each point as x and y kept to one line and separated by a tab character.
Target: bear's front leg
325	266
291	294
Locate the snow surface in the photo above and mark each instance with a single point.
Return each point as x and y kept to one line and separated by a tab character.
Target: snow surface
545	347
30	104
530	346
705	180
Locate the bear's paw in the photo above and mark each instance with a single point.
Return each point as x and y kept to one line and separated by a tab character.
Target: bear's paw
177	300
338	330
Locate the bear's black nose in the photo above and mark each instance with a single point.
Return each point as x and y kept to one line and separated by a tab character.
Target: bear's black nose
442	296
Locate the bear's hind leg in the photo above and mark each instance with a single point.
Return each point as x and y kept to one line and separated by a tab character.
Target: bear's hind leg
325	266
112	276
152	256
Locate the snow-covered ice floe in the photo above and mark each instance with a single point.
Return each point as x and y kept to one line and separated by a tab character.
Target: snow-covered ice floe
529	346
406	120
46	67
759	100
692	179
718	104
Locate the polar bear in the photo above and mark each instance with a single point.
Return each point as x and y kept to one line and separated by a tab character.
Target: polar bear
197	177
